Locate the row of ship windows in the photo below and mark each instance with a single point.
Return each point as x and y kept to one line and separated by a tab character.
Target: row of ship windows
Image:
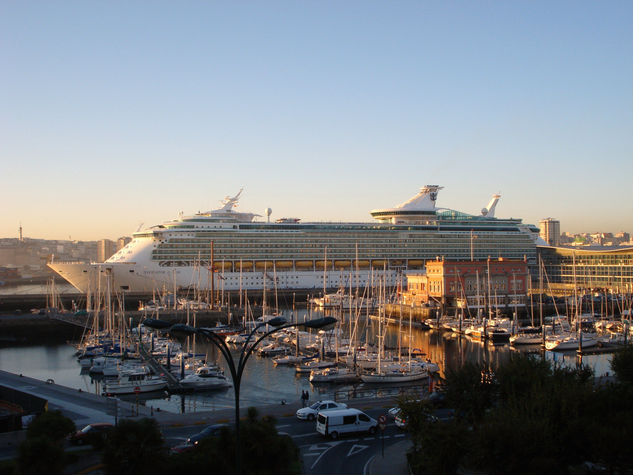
237	247
325	240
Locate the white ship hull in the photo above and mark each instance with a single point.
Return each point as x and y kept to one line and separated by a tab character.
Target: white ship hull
148	278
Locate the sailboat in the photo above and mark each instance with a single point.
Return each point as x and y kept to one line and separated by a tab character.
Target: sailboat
394	372
580	340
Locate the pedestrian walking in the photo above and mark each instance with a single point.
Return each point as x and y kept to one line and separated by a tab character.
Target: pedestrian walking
303	398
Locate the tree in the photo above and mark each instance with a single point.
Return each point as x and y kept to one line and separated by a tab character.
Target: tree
622	364
52	425
135	447
43	452
437	446
529	417
40	455
470	390
264	451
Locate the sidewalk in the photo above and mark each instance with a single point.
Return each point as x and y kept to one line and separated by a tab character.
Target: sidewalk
393	463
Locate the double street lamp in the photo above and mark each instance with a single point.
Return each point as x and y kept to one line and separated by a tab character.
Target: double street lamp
237	368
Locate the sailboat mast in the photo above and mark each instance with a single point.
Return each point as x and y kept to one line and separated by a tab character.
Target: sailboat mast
324	273
211	279
410	333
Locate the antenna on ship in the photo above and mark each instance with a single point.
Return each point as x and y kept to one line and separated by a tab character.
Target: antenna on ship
268	212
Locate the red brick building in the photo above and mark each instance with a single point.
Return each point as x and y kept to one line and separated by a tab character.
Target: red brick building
499	283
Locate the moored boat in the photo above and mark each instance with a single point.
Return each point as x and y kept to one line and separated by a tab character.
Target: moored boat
134	382
205	377
395	374
334	375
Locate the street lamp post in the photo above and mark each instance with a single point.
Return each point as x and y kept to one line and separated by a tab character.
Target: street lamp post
237	370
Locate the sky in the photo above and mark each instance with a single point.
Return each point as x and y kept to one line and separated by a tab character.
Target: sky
120	114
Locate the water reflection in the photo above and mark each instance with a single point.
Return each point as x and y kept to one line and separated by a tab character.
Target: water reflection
264	383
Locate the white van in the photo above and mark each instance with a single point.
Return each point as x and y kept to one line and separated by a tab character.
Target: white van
344	421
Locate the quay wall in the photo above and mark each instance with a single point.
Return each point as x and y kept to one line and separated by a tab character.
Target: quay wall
23	329
26	302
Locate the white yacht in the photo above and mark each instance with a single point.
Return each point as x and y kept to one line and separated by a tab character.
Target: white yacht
232	250
134	382
205	377
343	301
570	342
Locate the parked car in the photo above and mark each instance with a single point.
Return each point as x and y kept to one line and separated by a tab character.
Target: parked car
344	421
88	434
310	413
393	412
210	431
401	421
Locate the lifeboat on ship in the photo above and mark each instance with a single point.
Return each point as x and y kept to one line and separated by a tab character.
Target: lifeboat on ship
304	264
342	264
361	264
261	265
320	264
245	265
223	266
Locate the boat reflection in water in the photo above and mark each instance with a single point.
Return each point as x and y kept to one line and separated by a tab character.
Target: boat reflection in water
265	383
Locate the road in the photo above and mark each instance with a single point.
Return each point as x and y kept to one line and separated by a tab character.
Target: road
321	456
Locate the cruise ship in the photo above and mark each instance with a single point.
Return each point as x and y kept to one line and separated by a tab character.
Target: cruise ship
232	250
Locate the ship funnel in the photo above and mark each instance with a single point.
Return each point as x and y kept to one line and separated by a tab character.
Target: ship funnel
489	211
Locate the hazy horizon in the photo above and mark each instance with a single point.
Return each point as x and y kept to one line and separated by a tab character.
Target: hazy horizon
127	112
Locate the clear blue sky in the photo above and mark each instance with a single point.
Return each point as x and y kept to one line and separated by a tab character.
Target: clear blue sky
114	113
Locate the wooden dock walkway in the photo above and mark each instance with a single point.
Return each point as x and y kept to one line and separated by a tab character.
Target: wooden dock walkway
172	382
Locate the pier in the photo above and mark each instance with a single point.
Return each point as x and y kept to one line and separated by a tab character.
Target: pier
82	407
173	384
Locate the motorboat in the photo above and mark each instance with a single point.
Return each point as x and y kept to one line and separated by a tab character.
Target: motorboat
237	339
205	377
292	359
570	342
342	300
334	375
527	336
134	382
498	335
312	365
273	349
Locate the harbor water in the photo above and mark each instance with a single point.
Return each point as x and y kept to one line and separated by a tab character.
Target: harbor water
264	383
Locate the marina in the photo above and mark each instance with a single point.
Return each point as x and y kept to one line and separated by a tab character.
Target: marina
268	383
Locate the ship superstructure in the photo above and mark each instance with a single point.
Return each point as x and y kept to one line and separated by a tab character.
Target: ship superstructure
241	253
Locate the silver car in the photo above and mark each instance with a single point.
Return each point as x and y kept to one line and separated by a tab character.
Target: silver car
309	413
